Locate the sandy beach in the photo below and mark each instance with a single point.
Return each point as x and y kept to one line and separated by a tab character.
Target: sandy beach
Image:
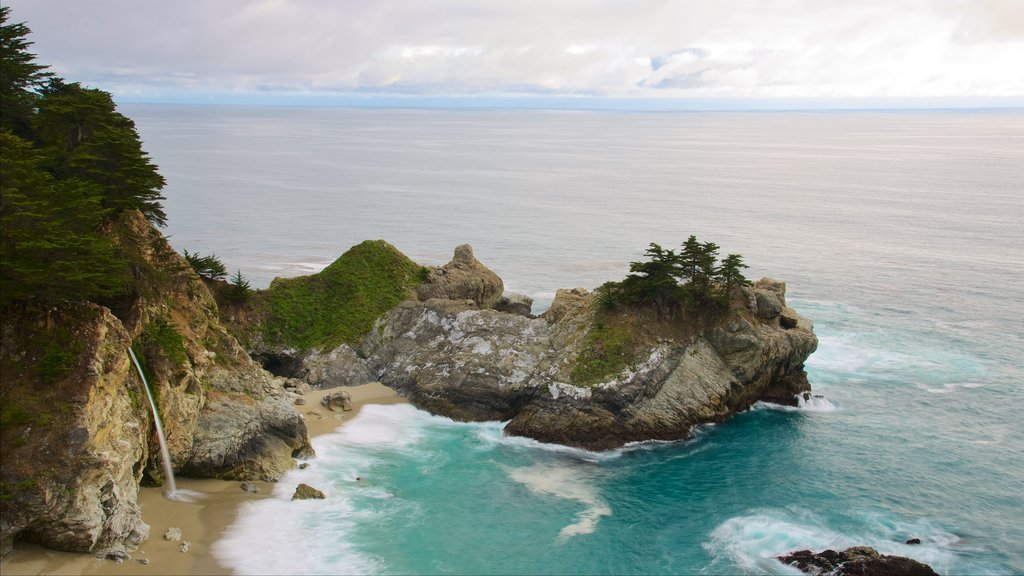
201	521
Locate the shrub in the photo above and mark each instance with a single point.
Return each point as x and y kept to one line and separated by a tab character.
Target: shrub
160	336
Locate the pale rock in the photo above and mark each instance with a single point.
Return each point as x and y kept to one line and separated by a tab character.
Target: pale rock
463	278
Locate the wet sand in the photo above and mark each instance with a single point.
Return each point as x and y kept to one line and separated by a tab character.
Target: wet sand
202	520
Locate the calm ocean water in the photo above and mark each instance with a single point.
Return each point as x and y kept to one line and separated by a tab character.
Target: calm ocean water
900	234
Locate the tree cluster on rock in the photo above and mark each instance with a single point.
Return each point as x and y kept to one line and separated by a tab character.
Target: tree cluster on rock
691	279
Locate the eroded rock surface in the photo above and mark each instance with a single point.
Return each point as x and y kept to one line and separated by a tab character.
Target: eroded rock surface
456	359
464	278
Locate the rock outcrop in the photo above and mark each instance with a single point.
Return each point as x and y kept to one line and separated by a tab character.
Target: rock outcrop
452	357
859	561
464	278
77	432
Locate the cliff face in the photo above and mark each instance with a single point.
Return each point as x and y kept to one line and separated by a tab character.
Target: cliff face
454	359
77	432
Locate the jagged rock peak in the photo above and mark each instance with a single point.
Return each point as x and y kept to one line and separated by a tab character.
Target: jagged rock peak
463	278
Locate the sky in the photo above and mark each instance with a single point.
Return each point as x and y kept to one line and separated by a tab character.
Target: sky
590	53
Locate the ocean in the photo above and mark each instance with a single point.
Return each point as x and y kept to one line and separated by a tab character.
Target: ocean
900	234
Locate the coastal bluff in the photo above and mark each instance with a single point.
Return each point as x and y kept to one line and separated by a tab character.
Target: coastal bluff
78	435
574	375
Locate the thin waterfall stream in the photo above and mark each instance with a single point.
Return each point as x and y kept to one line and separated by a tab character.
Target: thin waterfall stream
172	488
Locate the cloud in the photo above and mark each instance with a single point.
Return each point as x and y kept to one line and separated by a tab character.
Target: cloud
732	49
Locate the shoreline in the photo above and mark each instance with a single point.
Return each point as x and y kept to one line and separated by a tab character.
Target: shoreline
202	521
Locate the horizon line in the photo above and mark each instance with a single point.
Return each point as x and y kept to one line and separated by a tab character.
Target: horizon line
568	103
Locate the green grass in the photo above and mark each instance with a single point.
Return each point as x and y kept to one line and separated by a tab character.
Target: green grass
342	302
610	347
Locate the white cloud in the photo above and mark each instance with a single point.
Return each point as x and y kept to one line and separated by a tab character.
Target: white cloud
733	48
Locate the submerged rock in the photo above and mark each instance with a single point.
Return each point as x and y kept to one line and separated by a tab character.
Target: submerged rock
859	561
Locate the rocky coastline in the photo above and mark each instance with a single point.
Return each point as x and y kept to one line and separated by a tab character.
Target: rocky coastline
462	349
457	346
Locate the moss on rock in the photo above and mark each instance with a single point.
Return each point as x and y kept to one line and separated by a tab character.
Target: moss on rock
339	304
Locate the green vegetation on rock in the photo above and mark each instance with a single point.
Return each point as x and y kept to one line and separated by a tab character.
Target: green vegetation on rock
669	282
341	303
610	347
671	294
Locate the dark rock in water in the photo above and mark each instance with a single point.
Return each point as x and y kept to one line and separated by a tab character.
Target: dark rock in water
250	488
307	492
859	561
914	541
304	465
341	400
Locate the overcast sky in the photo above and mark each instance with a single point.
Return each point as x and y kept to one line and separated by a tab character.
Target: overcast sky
234	50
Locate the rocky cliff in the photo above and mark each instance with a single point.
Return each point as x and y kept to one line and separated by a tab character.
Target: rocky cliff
77	433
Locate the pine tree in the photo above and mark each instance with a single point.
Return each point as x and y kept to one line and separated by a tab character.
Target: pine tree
655	281
731	276
209	267
88	139
49	248
239	290
19	75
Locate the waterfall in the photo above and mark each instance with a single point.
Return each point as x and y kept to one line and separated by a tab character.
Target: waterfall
165	454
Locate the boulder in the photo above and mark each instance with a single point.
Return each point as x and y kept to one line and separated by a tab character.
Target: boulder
339	367
172	535
858	560
463	278
519	304
341	400
769	305
307	492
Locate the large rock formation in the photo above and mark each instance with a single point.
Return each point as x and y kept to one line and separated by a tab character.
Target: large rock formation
77	431
453	358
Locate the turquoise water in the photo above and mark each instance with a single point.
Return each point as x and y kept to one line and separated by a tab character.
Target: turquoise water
900	235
